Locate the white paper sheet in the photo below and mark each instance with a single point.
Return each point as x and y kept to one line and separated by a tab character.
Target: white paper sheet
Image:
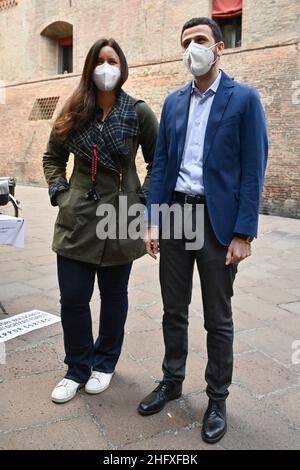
25	322
12	231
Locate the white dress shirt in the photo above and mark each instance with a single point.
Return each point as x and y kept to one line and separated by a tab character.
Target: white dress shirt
190	178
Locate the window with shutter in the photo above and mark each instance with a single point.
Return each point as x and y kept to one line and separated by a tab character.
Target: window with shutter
228	15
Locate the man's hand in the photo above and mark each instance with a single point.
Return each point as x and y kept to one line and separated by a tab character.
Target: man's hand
151	241
238	250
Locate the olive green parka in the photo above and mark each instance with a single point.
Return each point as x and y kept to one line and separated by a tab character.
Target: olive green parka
75	231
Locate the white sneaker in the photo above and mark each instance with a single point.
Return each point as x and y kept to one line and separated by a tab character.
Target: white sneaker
64	391
98	382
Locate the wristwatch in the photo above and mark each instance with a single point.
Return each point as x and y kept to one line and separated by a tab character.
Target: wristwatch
244	237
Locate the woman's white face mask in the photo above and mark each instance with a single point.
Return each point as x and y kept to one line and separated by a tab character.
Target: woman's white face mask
199	59
106	76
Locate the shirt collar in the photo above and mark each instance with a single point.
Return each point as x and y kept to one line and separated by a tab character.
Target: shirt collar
213	87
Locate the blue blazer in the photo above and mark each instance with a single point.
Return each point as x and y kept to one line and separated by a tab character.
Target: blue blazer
234	158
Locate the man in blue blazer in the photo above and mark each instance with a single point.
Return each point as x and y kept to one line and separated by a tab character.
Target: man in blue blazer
211	151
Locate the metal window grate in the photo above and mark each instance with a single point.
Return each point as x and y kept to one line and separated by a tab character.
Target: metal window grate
5	4
43	108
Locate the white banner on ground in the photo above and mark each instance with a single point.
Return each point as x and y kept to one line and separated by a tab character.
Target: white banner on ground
11	231
25	322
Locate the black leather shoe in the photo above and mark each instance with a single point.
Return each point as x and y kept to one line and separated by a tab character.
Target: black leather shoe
157	399
214	422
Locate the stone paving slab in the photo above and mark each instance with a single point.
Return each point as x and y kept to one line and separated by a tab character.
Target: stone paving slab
263	406
67	434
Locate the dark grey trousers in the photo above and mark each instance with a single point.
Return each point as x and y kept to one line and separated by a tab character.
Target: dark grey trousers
176	275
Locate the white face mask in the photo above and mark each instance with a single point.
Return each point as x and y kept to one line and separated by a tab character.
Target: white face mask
199	59
106	76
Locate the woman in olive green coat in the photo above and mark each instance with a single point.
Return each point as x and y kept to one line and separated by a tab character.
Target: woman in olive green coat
103	127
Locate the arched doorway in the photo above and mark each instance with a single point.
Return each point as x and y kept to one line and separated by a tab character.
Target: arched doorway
58	42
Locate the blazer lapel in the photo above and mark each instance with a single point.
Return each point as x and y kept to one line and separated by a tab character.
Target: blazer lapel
182	116
219	105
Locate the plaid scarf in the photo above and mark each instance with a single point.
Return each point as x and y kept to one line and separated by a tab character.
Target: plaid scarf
121	123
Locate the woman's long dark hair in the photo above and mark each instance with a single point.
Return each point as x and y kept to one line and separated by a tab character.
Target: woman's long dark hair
81	106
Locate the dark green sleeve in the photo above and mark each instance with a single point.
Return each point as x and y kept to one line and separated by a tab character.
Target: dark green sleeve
147	139
55	161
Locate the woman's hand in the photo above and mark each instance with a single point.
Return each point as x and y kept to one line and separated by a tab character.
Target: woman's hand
58	197
151	241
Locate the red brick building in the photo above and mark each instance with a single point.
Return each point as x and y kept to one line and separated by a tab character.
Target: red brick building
44	44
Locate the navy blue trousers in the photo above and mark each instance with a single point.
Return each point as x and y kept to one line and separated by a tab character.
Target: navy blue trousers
76	282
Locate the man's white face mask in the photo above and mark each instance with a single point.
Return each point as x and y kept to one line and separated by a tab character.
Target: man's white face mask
199	59
106	77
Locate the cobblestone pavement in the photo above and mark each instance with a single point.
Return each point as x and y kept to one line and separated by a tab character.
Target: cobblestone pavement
264	404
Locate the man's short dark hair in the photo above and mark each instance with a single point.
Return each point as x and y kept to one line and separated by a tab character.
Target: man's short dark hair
216	30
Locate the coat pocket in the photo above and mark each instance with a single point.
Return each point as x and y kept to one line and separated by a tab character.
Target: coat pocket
235	119
66	217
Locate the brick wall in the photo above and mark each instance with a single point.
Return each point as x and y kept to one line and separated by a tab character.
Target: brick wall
271	70
149	35
148	31
270	21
